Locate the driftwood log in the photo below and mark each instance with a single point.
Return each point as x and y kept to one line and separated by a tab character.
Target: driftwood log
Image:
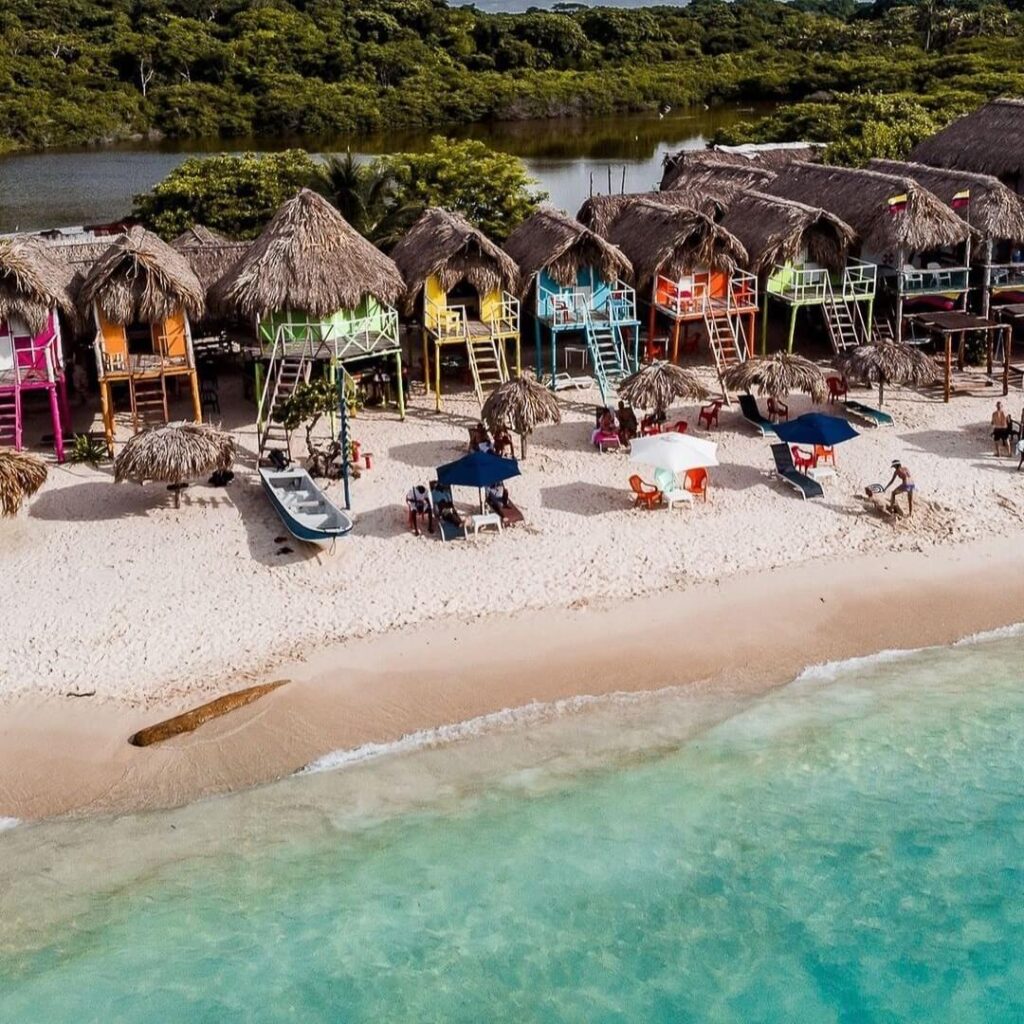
190	720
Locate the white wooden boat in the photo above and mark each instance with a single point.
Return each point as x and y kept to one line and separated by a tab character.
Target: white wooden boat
304	509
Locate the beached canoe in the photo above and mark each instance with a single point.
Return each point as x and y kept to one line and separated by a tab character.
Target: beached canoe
304	509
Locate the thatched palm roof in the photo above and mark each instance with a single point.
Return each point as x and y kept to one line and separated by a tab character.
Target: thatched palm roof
993	209
599	212
210	254
715	175
777	375
308	259
656	385
553	241
520	405
988	141
887	362
140	277
861	198
33	281
445	245
673	240
743	171
21	475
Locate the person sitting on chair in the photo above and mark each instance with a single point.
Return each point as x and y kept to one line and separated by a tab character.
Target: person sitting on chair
628	428
503	444
480	439
417	501
496	497
606	427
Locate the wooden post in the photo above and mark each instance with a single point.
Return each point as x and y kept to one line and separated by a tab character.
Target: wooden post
675	342
536	349
967	264
437	376
1007	332
764	327
988	354
986	279
949	363
900	262
426	359
792	329
401	389
651	324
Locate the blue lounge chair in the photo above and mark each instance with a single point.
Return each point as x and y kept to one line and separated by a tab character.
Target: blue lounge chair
875	417
751	413
787	472
441	498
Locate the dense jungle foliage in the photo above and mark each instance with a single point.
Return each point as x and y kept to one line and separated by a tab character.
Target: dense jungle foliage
75	71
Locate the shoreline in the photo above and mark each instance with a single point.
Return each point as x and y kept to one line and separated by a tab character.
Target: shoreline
747	633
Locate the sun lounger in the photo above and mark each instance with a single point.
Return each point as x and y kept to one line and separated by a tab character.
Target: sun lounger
508	511
563	381
788	473
875	417
751	413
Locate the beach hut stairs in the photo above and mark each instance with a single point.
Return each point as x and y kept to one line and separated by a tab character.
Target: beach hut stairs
607	351
289	364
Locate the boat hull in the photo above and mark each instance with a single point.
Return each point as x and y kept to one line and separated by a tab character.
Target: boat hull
307	513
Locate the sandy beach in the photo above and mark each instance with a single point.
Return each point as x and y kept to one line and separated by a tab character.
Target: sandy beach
120	610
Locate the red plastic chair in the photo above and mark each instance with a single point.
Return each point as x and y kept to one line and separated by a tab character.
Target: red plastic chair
649	499
696	482
802	458
823	453
709	414
680	426
777	409
648	427
836	388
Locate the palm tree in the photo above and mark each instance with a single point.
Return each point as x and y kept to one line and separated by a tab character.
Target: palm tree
369	197
776	375
887	362
520	405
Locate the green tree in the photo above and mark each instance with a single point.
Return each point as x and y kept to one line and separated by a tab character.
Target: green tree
233	194
491	189
368	196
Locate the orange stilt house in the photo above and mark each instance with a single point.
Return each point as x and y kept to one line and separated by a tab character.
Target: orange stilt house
142	293
689	267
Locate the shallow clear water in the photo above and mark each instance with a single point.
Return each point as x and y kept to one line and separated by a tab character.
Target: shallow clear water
847	849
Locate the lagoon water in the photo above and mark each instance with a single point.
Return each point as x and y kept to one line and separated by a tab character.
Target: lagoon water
90	185
846	849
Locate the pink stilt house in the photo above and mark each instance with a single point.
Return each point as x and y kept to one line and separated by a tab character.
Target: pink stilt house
33	291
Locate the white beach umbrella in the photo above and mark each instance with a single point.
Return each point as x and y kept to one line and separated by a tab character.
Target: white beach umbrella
674	452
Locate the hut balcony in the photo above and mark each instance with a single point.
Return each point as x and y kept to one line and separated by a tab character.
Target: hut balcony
572	308
810	284
343	337
497	317
934	279
1007	276
694	296
29	360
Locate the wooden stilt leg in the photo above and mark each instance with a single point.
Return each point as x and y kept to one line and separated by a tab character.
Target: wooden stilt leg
197	404
401	388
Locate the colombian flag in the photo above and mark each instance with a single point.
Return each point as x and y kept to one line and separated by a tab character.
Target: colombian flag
897	204
961	199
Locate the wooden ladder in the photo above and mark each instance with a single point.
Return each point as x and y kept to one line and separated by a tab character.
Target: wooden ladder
149	401
840	321
724	340
10	418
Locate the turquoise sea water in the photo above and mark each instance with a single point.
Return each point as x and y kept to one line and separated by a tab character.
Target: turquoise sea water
848	849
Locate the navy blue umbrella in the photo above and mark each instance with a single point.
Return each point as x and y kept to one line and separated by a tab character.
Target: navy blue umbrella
816	428
478	469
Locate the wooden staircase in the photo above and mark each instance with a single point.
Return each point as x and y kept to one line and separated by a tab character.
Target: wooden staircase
486	364
148	397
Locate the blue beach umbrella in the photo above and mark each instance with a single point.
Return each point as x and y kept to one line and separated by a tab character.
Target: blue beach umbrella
816	428
477	469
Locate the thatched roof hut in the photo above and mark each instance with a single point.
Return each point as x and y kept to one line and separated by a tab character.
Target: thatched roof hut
33	281
659	238
140	277
599	212
988	141
689	175
445	245
553	241
210	254
310	260
993	209
861	198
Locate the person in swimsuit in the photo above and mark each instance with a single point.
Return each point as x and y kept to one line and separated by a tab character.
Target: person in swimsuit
1001	426
906	486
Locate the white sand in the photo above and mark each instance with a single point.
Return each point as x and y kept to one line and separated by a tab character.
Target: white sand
108	588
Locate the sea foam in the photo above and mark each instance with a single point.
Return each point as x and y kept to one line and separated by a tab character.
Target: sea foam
6	823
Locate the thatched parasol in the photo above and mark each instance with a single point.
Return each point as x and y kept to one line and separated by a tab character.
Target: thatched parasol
520	405
992	208
310	260
777	375
174	454
673	240
552	241
990	140
21	475
33	281
445	245
887	362
862	199
140	277
657	384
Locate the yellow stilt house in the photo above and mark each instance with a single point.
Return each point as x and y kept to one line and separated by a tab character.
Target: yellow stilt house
142	293
464	286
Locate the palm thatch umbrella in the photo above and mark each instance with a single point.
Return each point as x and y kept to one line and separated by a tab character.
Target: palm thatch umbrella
520	405
777	375
33	281
21	475
174	454
140	277
657	384
887	362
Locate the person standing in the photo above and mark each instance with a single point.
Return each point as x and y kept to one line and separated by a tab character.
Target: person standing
1000	429
906	486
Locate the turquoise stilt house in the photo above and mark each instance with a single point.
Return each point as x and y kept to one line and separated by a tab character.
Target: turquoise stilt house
320	295
575	286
